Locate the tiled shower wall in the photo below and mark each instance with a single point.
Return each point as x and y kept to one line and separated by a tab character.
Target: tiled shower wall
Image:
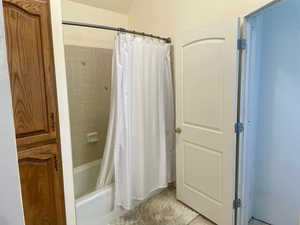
89	78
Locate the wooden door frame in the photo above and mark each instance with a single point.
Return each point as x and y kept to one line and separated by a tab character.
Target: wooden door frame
63	110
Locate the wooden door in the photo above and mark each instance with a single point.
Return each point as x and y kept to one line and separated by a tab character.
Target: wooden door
31	67
30	59
206	95
41	187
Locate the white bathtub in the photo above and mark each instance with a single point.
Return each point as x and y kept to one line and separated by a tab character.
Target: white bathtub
93	207
85	178
97	208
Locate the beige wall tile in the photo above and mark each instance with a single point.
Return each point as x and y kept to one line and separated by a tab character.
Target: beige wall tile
89	79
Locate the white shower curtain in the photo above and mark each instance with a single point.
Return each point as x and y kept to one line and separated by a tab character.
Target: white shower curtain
141	140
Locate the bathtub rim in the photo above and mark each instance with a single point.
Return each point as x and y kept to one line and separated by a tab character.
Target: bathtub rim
93	195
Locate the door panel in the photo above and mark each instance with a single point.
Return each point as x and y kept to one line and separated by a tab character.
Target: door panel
206	95
200	159
31	67
28	37
41	189
210	82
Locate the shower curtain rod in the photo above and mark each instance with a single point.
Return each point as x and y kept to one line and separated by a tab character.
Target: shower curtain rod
168	40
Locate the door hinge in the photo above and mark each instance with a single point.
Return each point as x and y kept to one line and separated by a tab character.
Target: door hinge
242	44
53	122
239	128
237	203
56	163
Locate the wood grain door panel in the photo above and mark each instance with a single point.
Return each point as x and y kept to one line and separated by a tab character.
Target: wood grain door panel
30	60
41	186
31	66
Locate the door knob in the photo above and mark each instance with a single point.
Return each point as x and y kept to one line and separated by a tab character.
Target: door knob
178	130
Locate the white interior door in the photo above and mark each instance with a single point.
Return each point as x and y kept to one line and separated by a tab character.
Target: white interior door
206	95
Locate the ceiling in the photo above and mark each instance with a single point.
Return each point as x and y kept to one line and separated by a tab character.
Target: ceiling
120	6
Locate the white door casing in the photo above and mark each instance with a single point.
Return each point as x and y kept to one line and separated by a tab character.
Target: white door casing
206	110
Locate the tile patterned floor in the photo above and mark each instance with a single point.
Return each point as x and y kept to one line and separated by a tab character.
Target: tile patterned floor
202	221
164	209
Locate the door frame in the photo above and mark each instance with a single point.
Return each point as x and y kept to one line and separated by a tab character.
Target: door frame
63	109
240	119
245	65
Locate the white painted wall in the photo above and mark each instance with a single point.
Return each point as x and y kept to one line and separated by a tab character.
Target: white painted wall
168	17
121	6
11	209
89	37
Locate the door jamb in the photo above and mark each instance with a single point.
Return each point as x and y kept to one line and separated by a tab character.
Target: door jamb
63	110
239	119
244	64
